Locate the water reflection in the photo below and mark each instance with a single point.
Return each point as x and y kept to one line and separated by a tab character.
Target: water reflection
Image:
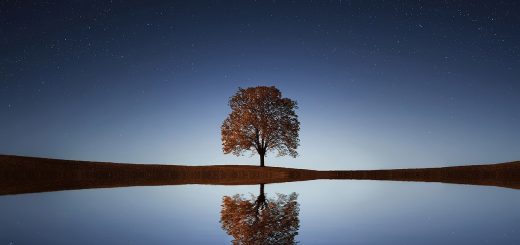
261	220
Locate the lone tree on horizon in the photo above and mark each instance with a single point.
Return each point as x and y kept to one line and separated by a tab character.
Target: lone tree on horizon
261	121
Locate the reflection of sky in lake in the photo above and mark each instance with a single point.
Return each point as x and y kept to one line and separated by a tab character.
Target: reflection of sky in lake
331	212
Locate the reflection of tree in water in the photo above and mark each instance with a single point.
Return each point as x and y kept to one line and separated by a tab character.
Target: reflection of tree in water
259	220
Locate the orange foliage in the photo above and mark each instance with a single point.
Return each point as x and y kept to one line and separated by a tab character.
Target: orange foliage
261	121
261	221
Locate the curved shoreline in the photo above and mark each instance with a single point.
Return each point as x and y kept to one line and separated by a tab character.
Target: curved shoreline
20	175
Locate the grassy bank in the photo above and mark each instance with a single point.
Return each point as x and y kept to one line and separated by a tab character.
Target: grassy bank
28	174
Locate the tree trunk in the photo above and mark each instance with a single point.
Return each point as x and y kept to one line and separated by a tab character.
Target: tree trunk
262	190
262	159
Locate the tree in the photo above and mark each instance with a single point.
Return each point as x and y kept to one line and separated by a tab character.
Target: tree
261	121
260	220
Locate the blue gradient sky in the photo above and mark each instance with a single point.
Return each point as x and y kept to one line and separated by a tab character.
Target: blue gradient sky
379	85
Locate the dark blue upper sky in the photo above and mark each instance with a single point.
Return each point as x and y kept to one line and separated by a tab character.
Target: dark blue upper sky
380	84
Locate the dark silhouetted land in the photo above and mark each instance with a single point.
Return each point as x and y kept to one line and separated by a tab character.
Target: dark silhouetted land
29	174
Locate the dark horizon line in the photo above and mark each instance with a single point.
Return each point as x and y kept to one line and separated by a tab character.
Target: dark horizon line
21	175
252	165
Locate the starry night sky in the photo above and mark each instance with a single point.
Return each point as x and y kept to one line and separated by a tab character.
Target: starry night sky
380	84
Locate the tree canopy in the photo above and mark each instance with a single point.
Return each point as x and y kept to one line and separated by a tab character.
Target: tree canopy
259	220
261	120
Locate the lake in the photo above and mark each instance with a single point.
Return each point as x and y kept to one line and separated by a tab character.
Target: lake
320	212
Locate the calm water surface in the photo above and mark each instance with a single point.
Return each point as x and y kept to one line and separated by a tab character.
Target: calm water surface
330	212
